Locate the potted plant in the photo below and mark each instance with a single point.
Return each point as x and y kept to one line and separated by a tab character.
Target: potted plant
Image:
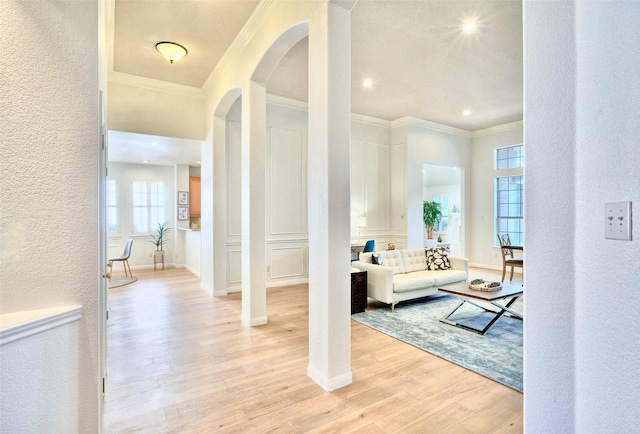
159	238
430	214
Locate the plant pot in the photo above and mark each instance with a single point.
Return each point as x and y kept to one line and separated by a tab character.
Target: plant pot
158	258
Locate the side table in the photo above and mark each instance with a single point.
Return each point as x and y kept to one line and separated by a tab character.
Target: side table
358	290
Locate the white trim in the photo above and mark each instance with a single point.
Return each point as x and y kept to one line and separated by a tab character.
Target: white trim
18	325
288	282
209	290
329	384
289	103
421	123
498	129
153	84
254	322
370	120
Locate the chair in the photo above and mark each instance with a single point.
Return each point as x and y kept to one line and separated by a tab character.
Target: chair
368	247
124	258
507	256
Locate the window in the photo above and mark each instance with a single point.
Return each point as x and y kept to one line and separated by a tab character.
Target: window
510	208
112	207
509	193
148	206
510	157
442	224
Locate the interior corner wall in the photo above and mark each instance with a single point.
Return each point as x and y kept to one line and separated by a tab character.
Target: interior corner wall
143	110
550	224
481	222
49	197
607	367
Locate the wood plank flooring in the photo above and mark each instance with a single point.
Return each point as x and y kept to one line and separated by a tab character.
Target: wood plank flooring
180	361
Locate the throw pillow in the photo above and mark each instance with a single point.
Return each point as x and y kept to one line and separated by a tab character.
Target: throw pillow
376	259
438	258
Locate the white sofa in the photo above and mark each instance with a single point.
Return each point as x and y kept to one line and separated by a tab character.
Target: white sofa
404	275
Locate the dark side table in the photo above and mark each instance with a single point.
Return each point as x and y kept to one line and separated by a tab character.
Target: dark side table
358	290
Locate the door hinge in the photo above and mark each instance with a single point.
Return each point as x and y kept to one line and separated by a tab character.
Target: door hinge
103	386
107	315
102	136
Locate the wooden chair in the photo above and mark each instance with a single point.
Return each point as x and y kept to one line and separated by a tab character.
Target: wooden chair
507	256
124	258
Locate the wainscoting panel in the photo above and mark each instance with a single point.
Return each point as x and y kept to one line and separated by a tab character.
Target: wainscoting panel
398	189
377	186
358	177
234	262
287	262
234	178
287	183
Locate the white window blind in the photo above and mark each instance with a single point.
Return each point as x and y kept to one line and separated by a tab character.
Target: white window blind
113	226
442	224
148	205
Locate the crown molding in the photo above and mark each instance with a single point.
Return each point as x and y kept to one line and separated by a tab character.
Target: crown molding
370	120
498	129
152	84
421	123
241	40
285	102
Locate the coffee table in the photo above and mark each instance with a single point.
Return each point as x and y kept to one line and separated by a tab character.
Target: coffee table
468	295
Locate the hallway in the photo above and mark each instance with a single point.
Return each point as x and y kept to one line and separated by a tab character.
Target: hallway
180	361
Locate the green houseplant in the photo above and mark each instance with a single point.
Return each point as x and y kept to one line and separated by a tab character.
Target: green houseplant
159	238
430	214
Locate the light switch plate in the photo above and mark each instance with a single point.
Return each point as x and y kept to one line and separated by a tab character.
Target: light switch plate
617	221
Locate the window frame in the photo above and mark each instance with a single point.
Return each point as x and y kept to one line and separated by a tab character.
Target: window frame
150	206
115	206
515	197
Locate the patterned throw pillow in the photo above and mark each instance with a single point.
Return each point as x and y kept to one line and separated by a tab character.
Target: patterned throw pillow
375	258
438	258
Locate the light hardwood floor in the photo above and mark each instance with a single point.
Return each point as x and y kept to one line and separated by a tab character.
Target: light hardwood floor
180	361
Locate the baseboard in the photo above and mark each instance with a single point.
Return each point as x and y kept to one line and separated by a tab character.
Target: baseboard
207	289
488	267
192	271
253	322
277	283
329	384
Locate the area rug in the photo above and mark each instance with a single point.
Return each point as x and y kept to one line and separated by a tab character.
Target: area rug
497	355
121	281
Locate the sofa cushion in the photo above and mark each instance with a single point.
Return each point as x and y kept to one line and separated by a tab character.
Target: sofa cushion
444	277
438	258
414	260
393	259
411	281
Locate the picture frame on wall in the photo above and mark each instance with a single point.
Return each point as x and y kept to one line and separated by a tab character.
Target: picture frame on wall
183	213
183	198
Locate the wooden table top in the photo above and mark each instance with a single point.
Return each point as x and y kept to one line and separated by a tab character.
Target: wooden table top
462	289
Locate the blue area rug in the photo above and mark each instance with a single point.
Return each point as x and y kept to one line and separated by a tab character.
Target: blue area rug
496	355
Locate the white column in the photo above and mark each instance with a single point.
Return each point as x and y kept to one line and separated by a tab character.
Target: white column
329	197
254	122
219	189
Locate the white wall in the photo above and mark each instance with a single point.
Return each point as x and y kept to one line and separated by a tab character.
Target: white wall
160	110
581	133
49	194
142	249
482	251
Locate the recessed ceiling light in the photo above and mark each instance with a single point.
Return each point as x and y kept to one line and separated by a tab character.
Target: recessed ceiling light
367	82
155	143
470	25
145	161
466	112
197	162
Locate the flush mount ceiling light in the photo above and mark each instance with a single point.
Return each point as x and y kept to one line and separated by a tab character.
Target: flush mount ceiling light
367	82
171	51
470	25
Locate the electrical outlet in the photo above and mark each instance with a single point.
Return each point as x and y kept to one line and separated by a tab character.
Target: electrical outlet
617	221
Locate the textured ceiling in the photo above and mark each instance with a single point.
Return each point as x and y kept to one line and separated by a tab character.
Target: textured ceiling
420	61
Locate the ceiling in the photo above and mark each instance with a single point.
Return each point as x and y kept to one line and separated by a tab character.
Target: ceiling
420	61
